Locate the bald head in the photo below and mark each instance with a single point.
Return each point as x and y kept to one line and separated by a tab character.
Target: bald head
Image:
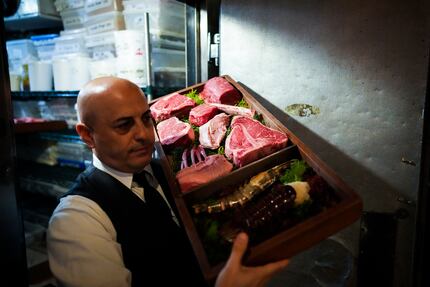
98	93
115	122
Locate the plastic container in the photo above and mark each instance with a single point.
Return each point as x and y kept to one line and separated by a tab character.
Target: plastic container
21	50
101	46
132	68
132	5
130	43
163	58
71	150
154	6
159	23
45	45
62	5
15	81
74	18
102	68
31	8
102	52
110	21
69	44
96	7
100	39
40	75
71	72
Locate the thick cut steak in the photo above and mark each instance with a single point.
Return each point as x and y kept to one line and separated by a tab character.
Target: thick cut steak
213	132
203	172
219	90
250	140
174	105
202	114
173	132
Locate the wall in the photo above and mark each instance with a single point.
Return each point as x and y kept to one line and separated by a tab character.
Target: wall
364	64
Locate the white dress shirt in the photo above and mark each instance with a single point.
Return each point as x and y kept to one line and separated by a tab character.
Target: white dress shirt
81	239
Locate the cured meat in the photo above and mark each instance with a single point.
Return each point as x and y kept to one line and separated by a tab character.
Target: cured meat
213	132
203	172
174	105
234	110
173	132
202	114
219	90
250	140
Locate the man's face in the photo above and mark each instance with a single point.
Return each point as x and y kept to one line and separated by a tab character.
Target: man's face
122	131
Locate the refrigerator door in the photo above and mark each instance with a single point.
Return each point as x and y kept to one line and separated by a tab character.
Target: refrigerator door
363	70
13	269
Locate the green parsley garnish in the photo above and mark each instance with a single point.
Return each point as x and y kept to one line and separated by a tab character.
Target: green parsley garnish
194	95
295	172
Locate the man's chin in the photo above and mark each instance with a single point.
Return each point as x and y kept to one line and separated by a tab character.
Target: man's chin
141	162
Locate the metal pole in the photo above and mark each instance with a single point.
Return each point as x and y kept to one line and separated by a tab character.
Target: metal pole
148	59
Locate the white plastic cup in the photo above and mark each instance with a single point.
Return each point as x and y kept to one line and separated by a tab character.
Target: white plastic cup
40	76
70	73
60	67
15	82
79	72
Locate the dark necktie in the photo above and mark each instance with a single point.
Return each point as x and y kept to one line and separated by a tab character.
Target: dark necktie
153	198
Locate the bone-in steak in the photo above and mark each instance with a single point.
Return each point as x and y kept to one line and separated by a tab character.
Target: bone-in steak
234	110
213	132
250	140
173	132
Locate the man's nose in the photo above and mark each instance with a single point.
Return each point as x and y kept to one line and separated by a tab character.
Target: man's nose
141	131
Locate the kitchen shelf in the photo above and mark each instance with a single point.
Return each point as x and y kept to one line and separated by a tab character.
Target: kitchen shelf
22	128
27	95
45	95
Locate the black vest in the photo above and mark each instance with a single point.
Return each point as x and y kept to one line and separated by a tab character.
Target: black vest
155	250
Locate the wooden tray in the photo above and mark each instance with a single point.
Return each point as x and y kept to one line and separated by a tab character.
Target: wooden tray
288	242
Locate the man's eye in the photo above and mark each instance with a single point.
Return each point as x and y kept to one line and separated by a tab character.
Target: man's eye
147	118
124	125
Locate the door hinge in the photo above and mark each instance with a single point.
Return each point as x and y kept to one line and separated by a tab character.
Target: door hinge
213	49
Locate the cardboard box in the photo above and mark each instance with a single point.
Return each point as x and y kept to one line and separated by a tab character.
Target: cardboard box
293	237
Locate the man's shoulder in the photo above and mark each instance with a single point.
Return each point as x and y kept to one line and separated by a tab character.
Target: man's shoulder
75	203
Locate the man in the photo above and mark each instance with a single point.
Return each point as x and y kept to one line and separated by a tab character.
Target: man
107	231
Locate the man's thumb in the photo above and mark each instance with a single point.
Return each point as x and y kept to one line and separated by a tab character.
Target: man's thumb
239	247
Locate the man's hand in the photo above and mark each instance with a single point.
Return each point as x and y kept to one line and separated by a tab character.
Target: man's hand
237	275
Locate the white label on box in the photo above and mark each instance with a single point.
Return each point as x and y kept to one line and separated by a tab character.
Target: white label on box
93	5
67	48
73	4
101	27
73	20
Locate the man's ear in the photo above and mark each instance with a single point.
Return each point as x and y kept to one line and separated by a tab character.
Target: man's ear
86	135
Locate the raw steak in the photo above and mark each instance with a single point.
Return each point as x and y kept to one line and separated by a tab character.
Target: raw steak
249	140
202	114
174	105
173	132
233	110
202	172
219	90
213	132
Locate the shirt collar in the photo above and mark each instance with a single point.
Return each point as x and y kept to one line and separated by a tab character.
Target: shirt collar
123	177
